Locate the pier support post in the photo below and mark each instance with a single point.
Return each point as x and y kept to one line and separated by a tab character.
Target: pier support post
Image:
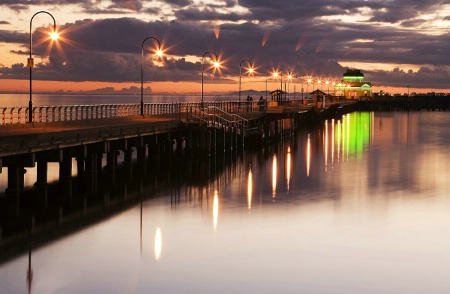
15	180
142	163
65	173
42	171
111	159
41	180
65	166
189	141
91	172
111	165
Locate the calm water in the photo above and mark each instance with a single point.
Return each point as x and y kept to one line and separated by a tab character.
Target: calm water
17	100
358	206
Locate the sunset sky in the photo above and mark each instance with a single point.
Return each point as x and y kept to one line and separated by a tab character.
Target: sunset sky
394	42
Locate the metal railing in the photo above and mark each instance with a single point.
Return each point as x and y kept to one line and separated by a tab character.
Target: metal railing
19	115
218	118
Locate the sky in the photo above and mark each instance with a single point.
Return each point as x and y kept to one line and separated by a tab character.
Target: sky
399	45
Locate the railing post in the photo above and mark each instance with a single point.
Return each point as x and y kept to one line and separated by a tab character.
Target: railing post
4	115
19	116
40	113
46	113
11	119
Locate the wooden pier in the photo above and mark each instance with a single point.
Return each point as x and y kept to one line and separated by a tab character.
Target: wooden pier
212	128
137	150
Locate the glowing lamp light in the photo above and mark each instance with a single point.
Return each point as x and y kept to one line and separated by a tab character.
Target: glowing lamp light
216	64
159	53
54	36
249	70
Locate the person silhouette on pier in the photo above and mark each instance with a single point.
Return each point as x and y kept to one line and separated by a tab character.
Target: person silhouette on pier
261	103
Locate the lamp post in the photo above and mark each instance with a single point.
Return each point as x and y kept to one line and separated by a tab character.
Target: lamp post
308	81
30	62
302	92
240	74
270	66
159	53
281	86
275	75
334	89
203	68
288	90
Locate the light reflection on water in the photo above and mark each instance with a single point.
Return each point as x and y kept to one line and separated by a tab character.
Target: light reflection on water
361	207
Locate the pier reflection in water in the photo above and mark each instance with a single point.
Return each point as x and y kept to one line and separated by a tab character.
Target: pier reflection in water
358	205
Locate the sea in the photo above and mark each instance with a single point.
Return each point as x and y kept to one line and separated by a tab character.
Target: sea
355	205
21	100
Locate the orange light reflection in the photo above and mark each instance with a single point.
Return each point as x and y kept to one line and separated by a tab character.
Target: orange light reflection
288	168
158	243
215	209
308	155
249	188
274	176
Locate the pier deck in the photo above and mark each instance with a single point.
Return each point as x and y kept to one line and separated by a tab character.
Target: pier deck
34	137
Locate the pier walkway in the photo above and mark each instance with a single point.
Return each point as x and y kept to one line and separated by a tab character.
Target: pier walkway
87	134
35	137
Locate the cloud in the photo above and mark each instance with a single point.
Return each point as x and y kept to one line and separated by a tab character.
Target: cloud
307	38
134	5
14	37
180	3
426	77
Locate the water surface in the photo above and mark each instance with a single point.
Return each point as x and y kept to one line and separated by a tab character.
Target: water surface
356	206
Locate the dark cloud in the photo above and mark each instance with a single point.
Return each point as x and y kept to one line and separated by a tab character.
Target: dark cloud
207	14
424	78
180	3
134	5
13	37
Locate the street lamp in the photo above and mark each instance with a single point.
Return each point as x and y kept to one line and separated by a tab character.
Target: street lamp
334	88
281	85
308	82
289	82
270	66
159	53
30	63
275	75
302	92
216	64
250	70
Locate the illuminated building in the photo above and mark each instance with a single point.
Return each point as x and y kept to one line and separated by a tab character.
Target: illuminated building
353	85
